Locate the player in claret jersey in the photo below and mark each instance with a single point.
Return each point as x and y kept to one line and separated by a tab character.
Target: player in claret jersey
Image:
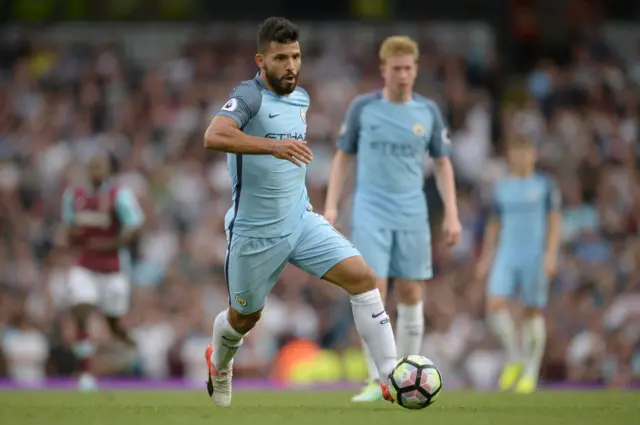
263	129
100	221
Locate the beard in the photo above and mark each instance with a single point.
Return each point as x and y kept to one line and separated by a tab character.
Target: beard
279	84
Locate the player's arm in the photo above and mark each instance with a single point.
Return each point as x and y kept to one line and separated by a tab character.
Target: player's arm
225	133
440	150
131	218
554	227
490	241
343	159
68	234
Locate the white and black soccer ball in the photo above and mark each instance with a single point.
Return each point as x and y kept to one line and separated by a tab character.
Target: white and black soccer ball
415	382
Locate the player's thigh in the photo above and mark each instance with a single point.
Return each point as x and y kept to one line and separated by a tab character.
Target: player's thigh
374	244
318	246
115	294
411	255
502	279
252	267
535	285
83	287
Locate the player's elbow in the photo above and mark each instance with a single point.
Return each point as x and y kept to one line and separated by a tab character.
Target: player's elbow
212	138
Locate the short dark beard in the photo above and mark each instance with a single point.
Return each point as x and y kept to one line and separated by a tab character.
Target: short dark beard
276	83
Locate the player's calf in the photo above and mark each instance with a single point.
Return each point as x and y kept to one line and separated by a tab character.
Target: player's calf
83	347
410	322
118	330
371	319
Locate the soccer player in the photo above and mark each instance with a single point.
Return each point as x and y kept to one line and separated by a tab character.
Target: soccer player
390	131
271	223
524	235
100	221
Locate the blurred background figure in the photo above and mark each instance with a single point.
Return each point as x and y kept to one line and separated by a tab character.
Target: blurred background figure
563	74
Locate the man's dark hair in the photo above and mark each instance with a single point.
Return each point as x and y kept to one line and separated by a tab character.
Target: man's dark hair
280	30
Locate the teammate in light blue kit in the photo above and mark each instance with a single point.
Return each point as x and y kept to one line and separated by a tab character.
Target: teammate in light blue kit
271	223
520	252
391	131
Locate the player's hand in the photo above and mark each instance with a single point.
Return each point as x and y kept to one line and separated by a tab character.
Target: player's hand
451	229
550	265
331	215
292	150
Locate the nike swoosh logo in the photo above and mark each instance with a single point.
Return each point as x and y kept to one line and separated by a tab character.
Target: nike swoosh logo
273	115
229	339
377	315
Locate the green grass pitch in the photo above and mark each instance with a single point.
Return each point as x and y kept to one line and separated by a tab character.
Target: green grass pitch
316	408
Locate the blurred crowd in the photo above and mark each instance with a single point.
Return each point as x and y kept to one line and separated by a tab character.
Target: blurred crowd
61	103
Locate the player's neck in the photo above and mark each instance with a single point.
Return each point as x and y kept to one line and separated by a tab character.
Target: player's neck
521	174
396	97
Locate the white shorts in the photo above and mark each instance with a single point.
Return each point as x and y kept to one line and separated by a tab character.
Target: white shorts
110	292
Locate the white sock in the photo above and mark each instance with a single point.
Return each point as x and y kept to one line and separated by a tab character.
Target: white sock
374	327
504	329
410	329
534	338
371	365
226	342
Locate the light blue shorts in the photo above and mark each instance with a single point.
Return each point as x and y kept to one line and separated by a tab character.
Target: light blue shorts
508	275
395	253
253	265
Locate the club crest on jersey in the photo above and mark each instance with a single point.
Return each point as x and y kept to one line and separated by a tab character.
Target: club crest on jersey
418	129
241	301
303	114
231	105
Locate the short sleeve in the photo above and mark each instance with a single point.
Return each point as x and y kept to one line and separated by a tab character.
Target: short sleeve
67	213
128	209
350	129
439	144
554	198
243	104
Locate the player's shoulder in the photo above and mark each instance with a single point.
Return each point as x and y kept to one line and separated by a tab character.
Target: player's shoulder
364	99
248	91
426	102
542	177
302	94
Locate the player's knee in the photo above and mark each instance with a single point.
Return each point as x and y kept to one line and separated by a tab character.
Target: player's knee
81	313
243	323
531	311
362	280
496	304
409	292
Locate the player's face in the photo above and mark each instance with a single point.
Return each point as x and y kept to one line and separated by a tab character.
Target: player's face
281	66
98	169
522	158
399	72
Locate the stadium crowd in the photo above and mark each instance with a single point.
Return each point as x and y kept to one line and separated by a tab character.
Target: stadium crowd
60	104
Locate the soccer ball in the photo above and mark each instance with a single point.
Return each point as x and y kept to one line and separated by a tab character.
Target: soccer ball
415	382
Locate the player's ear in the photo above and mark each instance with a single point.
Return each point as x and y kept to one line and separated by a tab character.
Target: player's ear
259	60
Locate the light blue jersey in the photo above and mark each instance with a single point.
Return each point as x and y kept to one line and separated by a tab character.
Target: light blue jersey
390	219
271	222
522	205
269	194
391	140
